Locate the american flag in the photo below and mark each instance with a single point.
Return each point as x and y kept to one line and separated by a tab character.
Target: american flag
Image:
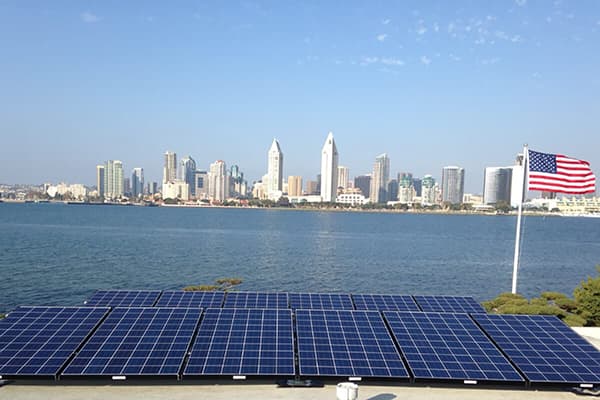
557	173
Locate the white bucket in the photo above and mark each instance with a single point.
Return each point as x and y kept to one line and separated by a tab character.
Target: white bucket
347	391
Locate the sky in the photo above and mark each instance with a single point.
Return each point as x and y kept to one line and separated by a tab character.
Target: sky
431	84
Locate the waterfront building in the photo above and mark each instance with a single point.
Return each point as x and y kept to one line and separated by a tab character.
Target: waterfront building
100	180
352	197
200	184
497	185
312	188
428	191
329	170
392	190
127	187
137	182
453	183
343	177
406	191
176	190
187	173
380	178
170	167
294	186
113	179
363	182
417	185
218	181
274	179
239	187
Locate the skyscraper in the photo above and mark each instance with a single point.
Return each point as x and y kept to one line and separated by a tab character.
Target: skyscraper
274	169
329	170
100	180
294	186
137	182
343	176
187	170
201	184
496	185
428	194
379	181
113	179
392	190
218	181
170	167
453	184
363	182
406	191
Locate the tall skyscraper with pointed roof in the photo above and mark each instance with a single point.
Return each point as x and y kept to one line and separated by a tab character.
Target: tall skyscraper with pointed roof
275	168
329	170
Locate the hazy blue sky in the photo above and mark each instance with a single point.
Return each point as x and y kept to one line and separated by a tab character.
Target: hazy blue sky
431	83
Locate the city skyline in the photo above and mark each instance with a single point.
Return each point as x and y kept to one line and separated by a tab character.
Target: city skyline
430	84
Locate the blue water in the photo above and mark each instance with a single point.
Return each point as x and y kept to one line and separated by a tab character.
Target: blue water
59	254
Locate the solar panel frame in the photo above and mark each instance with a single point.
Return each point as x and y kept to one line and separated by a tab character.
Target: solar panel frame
347	343
243	342
38	341
543	348
123	298
189	299
384	302
266	300
321	301
137	341
449	304
448	347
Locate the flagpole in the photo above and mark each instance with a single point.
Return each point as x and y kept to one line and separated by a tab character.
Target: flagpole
519	214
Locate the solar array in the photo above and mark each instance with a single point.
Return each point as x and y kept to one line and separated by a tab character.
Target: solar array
256	300
346	343
182	299
384	302
138	341
321	301
38	341
544	348
447	346
449	304
243	342
123	298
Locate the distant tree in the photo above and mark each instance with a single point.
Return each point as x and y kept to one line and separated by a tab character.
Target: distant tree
223	284
587	296
502	206
170	201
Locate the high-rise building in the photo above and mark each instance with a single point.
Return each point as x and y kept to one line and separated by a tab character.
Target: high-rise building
417	186
329	170
406	191
201	184
100	180
113	179
392	190
274	169
497	184
380	178
453	184
312	187
137	182
187	170
238	186
428	190
343	177
218	181
170	167
294	186
363	182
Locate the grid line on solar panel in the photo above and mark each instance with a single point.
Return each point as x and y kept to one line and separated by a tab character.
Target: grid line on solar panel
38	341
384	302
446	346
321	301
243	342
185	299
137	341
449	304
123	298
543	348
256	300
346	343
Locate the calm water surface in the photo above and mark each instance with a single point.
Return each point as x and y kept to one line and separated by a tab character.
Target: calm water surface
59	254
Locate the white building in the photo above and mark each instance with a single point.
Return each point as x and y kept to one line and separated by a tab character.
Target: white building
176	190
274	180
113	179
380	178
453	184
218	181
428	191
497	185
170	167
343	177
352	198
329	170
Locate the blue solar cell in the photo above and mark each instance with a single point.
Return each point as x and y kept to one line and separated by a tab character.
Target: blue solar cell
38	341
255	300
449	304
384	302
321	301
346	343
446	346
123	298
243	342
190	299
543	348
137	341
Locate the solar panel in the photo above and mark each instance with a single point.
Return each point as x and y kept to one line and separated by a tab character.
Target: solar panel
123	298
137	341
38	341
446	346
346	343
449	304
243	342
185	299
321	301
255	300
543	348
383	302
